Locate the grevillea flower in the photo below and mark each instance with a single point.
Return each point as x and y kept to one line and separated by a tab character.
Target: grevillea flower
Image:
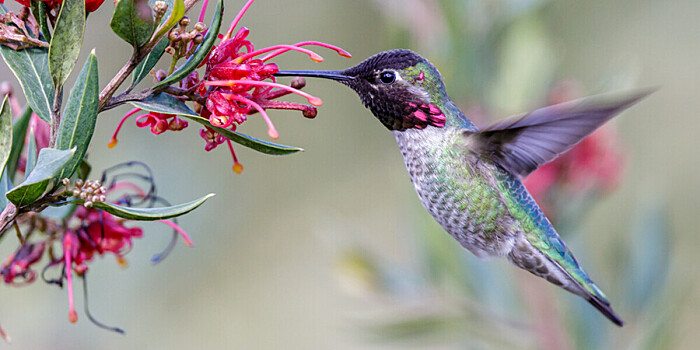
18	265
90	5
86	233
239	81
158	122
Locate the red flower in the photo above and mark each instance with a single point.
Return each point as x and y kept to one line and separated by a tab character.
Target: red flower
159	123
18	265
101	233
237	82
90	5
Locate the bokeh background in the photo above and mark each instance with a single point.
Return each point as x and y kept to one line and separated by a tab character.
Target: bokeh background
330	248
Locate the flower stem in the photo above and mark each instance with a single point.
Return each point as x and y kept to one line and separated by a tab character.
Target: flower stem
136	58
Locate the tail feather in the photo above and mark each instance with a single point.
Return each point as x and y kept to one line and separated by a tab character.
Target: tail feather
529	258
605	309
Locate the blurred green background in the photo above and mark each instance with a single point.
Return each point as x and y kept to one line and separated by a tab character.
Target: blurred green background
331	249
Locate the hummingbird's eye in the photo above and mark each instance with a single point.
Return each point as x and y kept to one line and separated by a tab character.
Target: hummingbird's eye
387	77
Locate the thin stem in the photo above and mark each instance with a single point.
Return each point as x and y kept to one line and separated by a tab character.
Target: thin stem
7	216
136	58
19	233
55	116
89	314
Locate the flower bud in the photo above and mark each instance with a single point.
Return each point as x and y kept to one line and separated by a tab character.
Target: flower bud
160	7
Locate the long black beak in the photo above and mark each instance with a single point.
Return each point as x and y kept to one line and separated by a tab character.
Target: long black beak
326	74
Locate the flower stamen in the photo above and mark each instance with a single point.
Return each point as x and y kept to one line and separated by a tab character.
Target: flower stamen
304	43
67	252
179	230
236	20
271	130
312	99
237	167
113	142
314	56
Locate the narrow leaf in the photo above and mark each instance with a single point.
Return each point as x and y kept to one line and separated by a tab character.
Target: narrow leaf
39	12
31	155
19	131
133	21
67	39
249	141
43	178
150	61
200	54
176	10
5	133
60	212
5	185
150	214
80	115
31	67
164	103
84	170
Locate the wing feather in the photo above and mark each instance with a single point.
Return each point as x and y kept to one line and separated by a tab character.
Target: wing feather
522	143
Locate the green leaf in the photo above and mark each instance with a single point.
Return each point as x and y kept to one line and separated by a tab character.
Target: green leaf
150	61
164	103
5	185
133	21
5	133
31	155
60	212
67	39
19	131
176	10
200	54
43	178
150	214
84	170
39	11
249	141
80	115
31	67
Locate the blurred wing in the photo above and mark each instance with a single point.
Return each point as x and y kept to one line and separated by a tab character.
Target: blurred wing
521	144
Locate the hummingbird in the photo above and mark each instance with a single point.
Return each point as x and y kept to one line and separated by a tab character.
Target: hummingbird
469	178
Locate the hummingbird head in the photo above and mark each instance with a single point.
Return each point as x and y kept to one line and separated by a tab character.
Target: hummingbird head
402	89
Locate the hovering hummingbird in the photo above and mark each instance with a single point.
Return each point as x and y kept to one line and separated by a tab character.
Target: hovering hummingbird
469	178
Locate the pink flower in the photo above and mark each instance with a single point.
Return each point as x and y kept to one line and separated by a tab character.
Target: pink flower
90	5
159	123
18	265
238	81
